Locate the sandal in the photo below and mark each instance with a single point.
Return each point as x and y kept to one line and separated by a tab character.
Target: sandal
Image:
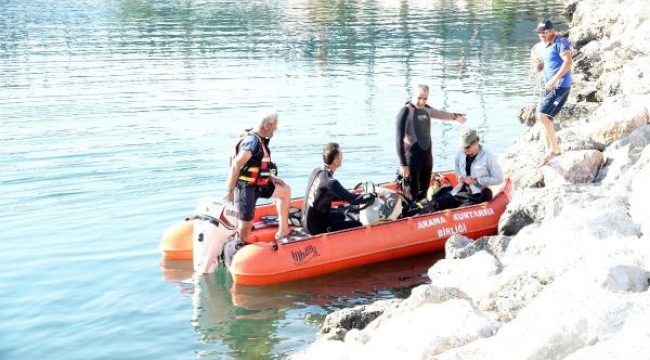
548	158
279	237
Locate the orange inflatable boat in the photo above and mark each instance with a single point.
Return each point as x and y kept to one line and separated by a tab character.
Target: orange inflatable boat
266	261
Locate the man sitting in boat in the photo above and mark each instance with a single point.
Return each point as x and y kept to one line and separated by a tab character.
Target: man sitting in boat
476	169
322	189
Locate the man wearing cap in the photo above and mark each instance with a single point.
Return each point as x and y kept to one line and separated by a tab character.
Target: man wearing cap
556	70
476	169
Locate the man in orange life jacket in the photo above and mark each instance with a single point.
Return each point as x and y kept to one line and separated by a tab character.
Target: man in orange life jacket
250	177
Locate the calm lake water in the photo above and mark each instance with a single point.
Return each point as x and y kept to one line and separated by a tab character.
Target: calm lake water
118	116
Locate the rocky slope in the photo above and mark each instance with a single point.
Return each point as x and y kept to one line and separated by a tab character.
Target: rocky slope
568	276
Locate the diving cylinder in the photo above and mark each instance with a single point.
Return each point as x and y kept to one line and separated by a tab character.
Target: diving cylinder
214	223
391	208
387	206
370	215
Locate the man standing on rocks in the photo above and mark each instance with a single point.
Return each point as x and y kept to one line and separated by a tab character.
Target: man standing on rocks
556	69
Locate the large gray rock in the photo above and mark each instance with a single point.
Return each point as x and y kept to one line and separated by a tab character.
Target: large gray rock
626	278
635	77
529	206
527	114
338	323
513	220
575	167
460	247
624	154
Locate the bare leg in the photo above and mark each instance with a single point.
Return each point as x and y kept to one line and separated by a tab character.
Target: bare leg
550	139
245	228
282	195
547	144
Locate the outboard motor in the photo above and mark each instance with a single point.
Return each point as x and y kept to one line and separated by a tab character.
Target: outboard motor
214	223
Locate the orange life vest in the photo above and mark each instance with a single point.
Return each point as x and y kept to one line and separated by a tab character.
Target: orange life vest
259	169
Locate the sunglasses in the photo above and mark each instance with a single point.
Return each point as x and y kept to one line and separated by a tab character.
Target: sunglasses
542	32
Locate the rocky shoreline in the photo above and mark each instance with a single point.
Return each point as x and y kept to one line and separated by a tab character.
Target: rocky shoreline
568	275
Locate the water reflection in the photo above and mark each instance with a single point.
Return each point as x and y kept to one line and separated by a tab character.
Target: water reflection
350	31
229	315
247	333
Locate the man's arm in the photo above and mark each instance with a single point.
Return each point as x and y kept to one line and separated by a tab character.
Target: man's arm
238	162
495	174
400	132
443	115
457	167
567	63
351	198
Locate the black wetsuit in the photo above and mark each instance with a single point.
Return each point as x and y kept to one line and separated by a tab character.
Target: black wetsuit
317	214
414	147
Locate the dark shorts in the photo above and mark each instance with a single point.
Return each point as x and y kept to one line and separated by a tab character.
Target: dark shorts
552	101
246	196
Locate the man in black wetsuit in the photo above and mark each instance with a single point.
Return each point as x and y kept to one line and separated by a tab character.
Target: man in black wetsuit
414	141
322	189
